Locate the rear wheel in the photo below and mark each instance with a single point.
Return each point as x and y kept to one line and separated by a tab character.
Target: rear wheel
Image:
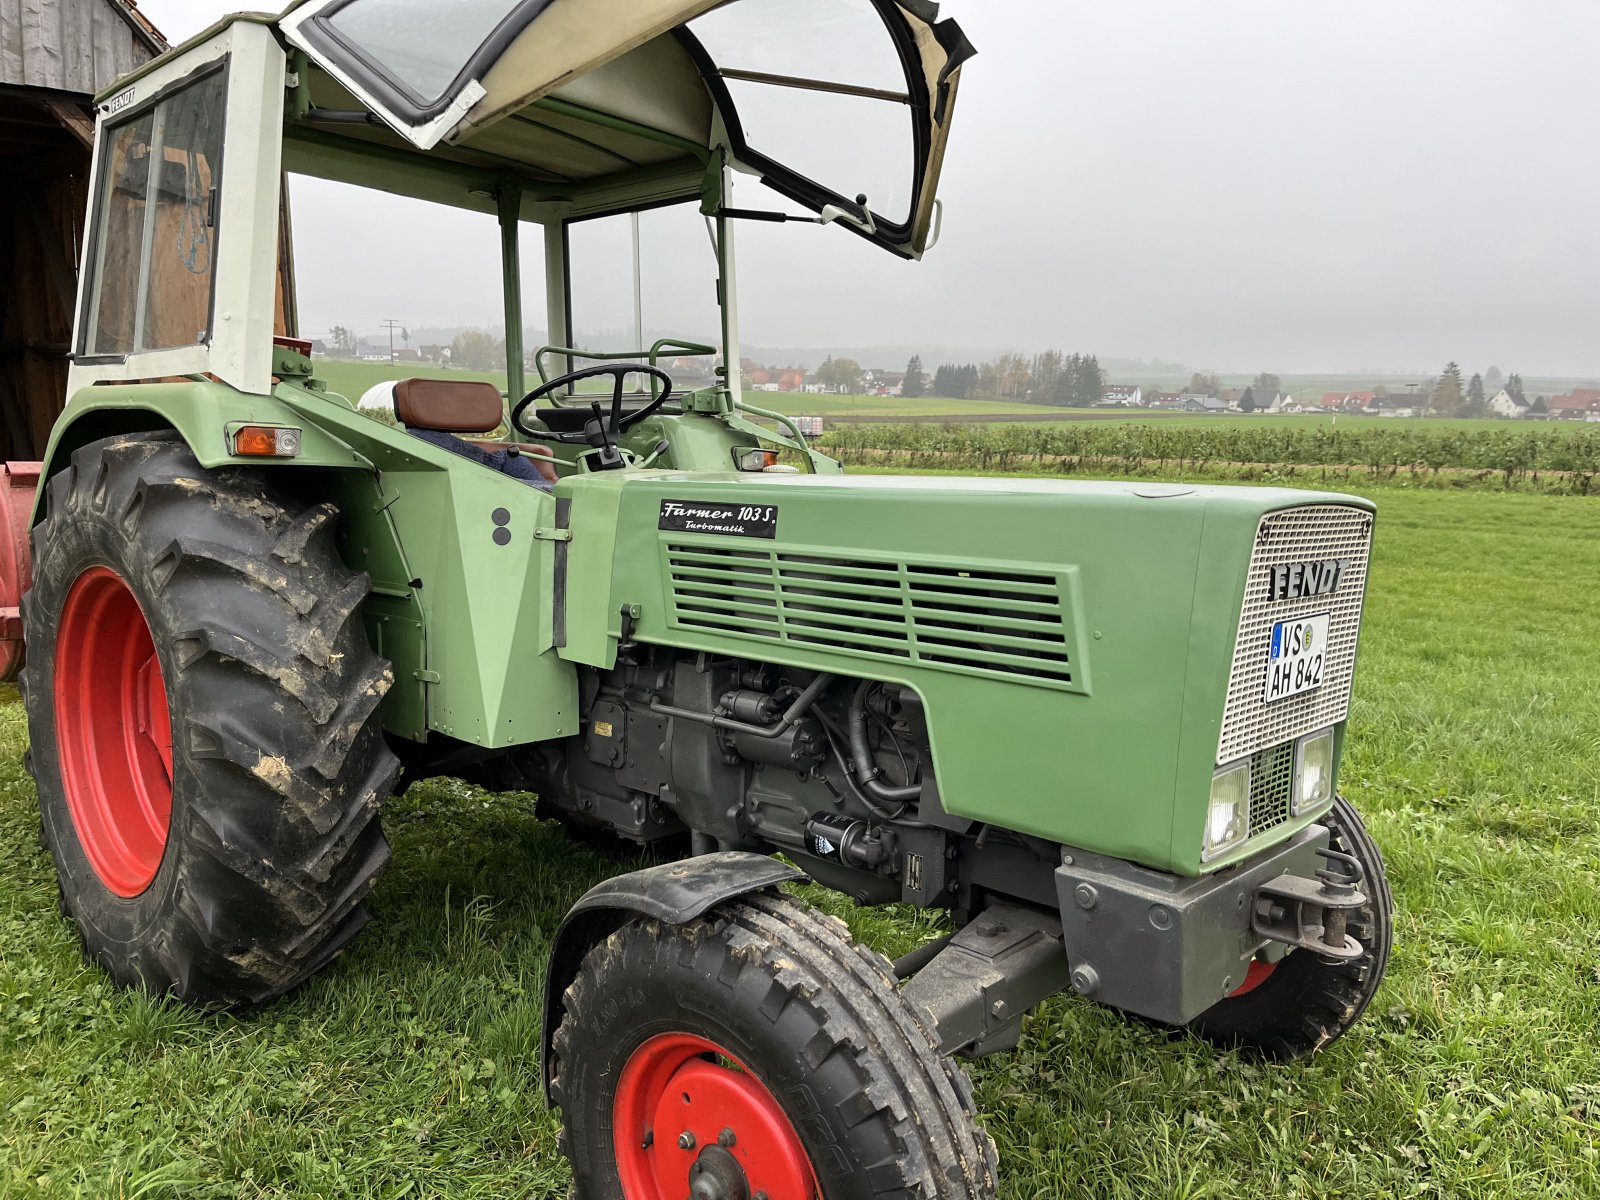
202	705
756	1051
1294	1008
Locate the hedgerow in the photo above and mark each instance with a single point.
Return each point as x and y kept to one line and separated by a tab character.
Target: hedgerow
1545	459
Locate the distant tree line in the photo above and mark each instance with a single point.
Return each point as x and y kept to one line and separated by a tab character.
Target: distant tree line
1447	396
478	350
1053	377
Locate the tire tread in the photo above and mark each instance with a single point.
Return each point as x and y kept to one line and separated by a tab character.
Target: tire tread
275	694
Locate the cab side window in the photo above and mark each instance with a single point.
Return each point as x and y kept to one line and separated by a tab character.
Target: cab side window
155	239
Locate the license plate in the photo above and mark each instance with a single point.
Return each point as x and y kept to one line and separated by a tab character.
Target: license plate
1295	658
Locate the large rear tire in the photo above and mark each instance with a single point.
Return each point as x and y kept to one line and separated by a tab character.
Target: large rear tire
1303	1003
757	1050
202	705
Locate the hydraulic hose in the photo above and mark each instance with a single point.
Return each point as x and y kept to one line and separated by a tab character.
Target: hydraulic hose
866	770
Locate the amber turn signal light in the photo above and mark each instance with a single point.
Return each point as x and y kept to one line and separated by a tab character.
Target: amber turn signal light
266	441
756	460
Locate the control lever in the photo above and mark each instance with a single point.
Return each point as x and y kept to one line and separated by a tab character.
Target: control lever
599	435
862	220
661	448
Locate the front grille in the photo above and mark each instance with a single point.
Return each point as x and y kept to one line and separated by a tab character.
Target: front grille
1312	533
984	619
1271	783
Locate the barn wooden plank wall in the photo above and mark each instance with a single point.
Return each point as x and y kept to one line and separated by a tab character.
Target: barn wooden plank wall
69	45
39	234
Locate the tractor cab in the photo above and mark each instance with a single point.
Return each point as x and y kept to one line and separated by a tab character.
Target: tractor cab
538	112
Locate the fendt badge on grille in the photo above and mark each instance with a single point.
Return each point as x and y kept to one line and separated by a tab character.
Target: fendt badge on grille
1300	580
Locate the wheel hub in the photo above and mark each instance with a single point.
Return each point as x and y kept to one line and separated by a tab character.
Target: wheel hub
717	1175
113	732
691	1119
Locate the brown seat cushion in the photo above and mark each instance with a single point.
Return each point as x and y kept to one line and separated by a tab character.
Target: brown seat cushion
448	405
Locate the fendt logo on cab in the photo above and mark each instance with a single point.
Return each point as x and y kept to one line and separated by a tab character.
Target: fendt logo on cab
1297	581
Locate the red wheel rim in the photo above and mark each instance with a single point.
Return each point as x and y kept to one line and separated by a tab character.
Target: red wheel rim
676	1085
1258	974
113	732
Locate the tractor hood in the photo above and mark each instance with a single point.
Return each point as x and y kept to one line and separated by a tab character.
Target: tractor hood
1086	652
843	106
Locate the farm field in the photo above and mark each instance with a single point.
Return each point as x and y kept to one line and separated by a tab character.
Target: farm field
351	378
1562	456
1166	420
1048	418
408	1069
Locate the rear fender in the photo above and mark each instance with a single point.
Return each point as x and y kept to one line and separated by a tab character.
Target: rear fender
674	893
202	412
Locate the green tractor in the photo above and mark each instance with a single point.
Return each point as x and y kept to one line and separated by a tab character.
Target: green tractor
1098	724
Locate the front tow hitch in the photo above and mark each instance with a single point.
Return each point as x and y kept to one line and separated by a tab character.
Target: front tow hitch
1312	914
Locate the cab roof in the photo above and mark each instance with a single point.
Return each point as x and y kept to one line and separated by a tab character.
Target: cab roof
842	106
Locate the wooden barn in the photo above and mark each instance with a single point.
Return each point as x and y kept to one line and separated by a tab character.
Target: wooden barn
54	56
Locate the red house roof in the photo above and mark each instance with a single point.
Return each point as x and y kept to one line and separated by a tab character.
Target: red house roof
1584	400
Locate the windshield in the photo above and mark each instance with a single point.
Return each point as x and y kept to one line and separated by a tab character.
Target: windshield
821	88
637	279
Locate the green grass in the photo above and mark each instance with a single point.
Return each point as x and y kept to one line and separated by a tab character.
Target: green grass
888	406
408	1068
1329	421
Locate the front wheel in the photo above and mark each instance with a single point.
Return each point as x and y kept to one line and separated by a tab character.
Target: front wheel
1293	1009
756	1051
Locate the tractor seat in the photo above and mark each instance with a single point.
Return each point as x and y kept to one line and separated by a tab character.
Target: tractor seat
438	411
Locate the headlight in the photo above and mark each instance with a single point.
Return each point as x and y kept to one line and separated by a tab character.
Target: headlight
1228	818
1313	772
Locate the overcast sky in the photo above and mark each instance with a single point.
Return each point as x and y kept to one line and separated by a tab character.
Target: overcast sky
1234	184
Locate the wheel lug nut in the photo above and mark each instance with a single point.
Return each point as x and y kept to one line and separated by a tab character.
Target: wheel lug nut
686	1140
726	1138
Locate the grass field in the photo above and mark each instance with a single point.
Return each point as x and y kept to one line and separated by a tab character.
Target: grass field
408	1070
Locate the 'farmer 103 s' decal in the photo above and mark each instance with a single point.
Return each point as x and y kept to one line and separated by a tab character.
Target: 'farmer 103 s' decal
1300	580
735	520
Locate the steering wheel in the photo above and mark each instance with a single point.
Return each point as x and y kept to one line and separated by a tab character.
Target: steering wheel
600	430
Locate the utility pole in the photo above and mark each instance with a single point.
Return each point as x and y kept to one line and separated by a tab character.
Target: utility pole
391	325
638	290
